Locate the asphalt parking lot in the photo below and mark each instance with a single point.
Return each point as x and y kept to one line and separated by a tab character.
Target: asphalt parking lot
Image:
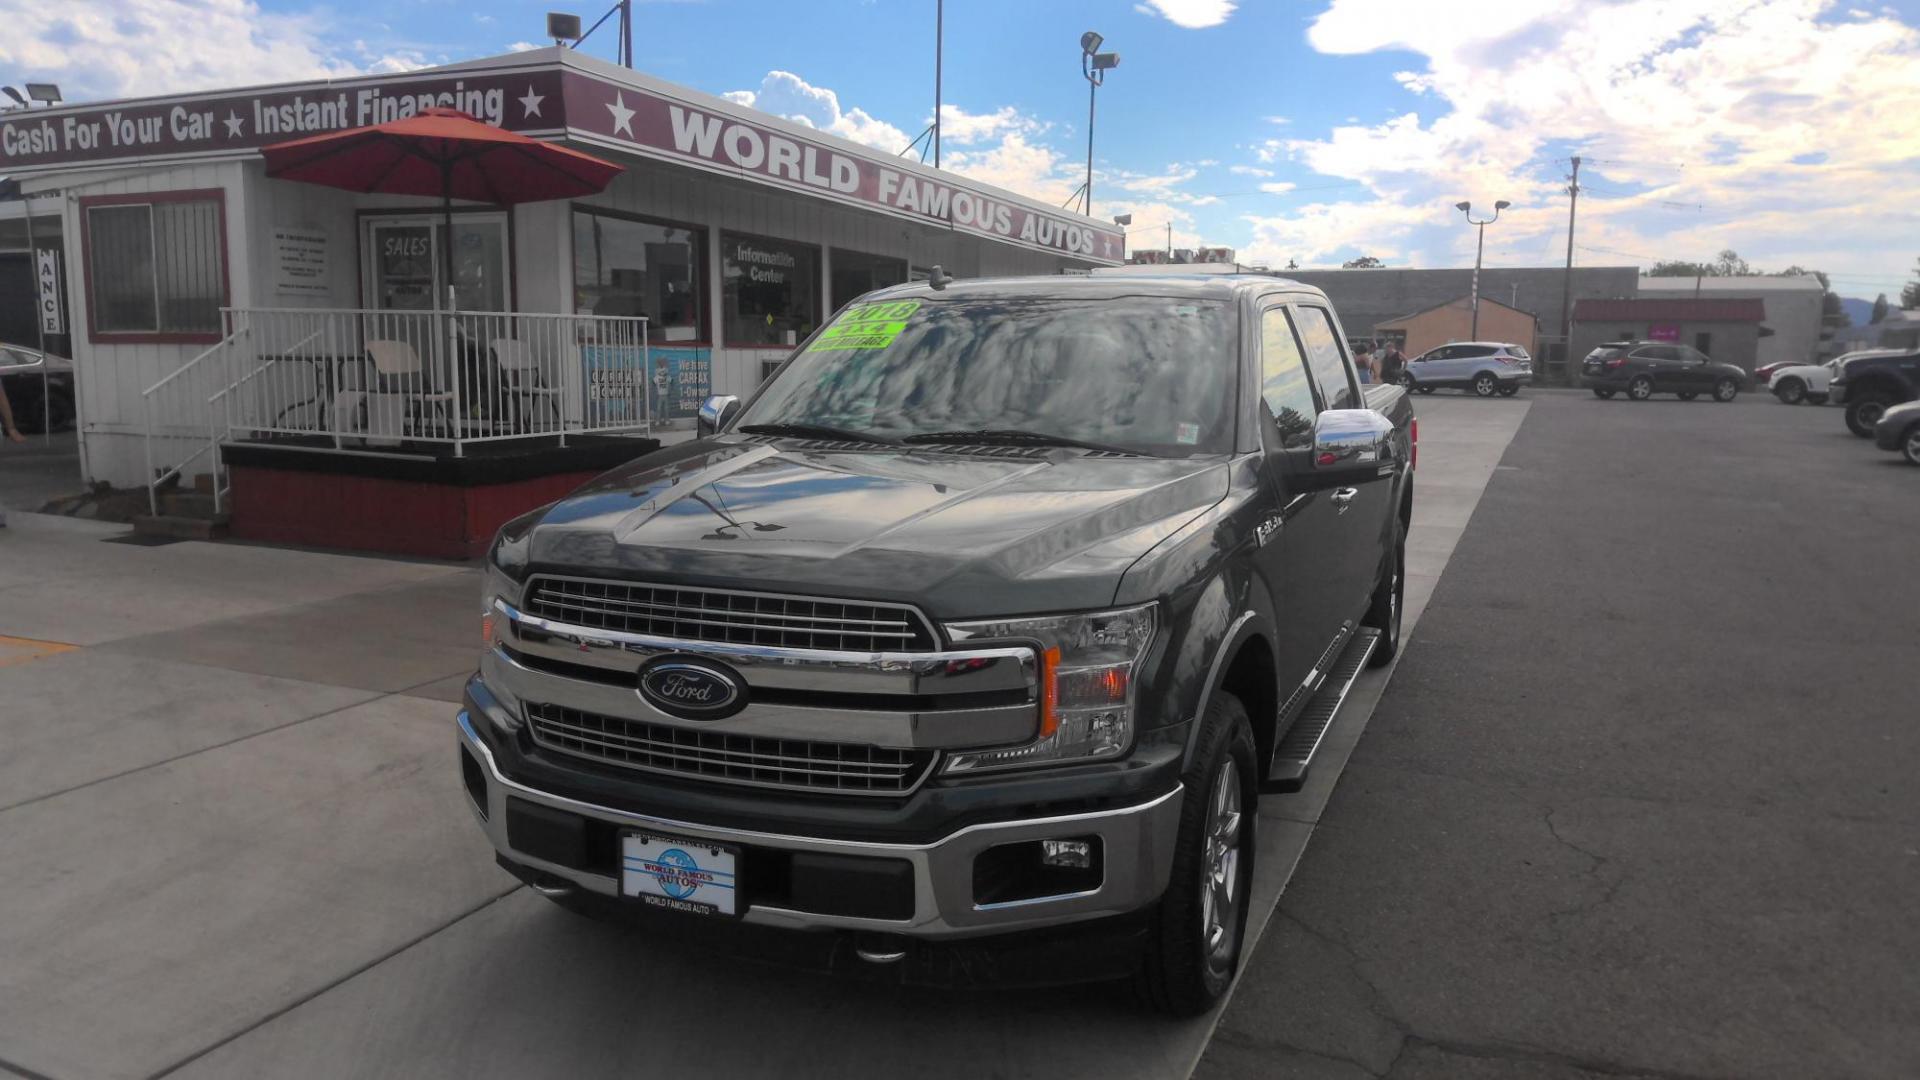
1635	800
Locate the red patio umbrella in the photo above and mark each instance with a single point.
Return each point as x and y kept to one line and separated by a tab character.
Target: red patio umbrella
442	152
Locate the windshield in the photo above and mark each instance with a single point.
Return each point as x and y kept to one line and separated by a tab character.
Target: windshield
1146	373
1606	352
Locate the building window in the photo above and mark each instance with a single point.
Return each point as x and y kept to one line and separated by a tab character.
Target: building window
155	268
623	266
770	290
1704	342
855	273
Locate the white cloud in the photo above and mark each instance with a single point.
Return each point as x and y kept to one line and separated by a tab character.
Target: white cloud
1191	14
1279	188
522	46
1704	103
132	48
785	94
961	127
1249	170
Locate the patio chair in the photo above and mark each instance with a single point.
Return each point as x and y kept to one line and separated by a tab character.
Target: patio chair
523	382
398	370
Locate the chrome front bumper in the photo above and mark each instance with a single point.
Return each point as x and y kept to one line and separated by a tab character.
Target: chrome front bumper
1138	843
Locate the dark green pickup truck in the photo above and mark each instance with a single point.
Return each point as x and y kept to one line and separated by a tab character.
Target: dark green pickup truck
979	629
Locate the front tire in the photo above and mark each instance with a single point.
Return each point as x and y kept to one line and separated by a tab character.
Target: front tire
1910	446
1200	924
1865	411
1485	385
1791	391
1726	390
1640	389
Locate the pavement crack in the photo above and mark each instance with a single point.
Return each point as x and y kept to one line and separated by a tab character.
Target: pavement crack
1381	1008
1610	887
1533	1055
316	992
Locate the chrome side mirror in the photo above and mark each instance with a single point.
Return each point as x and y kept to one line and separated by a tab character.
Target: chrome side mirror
1350	446
715	413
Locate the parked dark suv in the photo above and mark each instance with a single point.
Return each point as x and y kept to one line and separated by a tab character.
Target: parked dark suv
1645	368
1869	385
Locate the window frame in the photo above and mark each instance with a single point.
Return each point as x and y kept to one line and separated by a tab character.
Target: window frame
819	294
1270	429
156	336
1356	396
703	295
834	253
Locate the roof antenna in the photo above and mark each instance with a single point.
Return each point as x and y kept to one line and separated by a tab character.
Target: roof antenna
937	278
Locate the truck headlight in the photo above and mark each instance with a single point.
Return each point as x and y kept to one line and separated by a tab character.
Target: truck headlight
1087	665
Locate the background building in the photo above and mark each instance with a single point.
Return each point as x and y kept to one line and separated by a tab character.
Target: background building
1727	330
1366	299
1453	321
1793	308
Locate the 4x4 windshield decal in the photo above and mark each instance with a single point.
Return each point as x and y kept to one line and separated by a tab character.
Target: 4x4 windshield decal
866	326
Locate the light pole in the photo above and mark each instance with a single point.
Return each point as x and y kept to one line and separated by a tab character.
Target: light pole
1094	65
1481	246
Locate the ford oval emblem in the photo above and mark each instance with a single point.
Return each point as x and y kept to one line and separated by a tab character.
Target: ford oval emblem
692	688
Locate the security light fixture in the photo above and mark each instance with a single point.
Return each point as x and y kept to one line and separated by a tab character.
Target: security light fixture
562	26
1090	42
1094	65
1106	61
1123	219
1480	246
45	93
15	95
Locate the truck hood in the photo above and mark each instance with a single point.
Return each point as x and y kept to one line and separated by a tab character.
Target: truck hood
959	534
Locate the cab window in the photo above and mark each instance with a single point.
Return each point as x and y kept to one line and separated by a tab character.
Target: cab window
1286	390
1325	361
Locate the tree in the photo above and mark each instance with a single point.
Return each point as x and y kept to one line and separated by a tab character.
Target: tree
1364	262
1678	268
1880	306
1730	264
1910	296
1727	264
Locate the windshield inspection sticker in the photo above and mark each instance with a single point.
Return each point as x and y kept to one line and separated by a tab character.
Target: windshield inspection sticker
866	326
1188	434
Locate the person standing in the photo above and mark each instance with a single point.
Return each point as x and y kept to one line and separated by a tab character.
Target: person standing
1393	363
10	431
1363	360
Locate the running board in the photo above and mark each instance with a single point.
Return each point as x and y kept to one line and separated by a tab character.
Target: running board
1294	756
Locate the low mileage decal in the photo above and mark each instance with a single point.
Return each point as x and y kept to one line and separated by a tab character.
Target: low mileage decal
866	326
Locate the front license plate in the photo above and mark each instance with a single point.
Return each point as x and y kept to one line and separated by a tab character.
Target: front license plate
694	876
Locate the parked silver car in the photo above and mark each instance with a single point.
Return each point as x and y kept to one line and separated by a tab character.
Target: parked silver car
1484	367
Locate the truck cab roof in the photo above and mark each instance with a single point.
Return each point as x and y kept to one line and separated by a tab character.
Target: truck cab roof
1222	287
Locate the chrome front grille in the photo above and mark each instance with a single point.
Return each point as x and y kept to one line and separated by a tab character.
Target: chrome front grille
741	618
794	764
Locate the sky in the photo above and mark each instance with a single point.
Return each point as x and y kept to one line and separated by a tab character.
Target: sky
1304	131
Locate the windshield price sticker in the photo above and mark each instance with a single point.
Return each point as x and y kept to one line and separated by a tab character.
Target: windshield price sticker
866	326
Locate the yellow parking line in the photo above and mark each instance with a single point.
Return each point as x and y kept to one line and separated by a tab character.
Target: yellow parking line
19	650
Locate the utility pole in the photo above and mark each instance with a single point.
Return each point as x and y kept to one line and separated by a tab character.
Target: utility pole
939	34
1169	241
1566	288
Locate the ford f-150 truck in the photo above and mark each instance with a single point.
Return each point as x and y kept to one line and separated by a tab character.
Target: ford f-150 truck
986	621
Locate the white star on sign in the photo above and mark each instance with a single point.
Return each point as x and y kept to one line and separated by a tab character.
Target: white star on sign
531	103
622	116
233	124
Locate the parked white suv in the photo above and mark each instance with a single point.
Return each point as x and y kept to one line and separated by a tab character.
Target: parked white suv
1484	367
1809	382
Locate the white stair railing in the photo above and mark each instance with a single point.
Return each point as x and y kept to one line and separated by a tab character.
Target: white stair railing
177	410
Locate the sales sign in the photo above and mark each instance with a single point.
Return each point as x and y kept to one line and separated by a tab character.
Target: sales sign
47	269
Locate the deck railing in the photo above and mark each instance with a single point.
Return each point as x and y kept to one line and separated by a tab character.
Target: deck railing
385	381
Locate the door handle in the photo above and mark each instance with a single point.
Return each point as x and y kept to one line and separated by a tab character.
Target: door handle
1343	496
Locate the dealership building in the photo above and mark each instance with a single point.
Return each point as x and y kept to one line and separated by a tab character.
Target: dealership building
731	232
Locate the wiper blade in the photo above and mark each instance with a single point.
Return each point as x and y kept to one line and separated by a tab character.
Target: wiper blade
1013	437
816	431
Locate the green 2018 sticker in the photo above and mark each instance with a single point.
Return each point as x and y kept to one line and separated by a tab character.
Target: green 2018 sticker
866	326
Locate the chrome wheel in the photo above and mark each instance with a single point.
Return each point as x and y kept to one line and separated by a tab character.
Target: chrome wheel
1911	448
1484	385
1640	389
1220	891
1725	389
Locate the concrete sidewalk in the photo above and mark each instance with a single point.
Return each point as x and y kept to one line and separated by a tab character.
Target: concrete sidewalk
237	843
